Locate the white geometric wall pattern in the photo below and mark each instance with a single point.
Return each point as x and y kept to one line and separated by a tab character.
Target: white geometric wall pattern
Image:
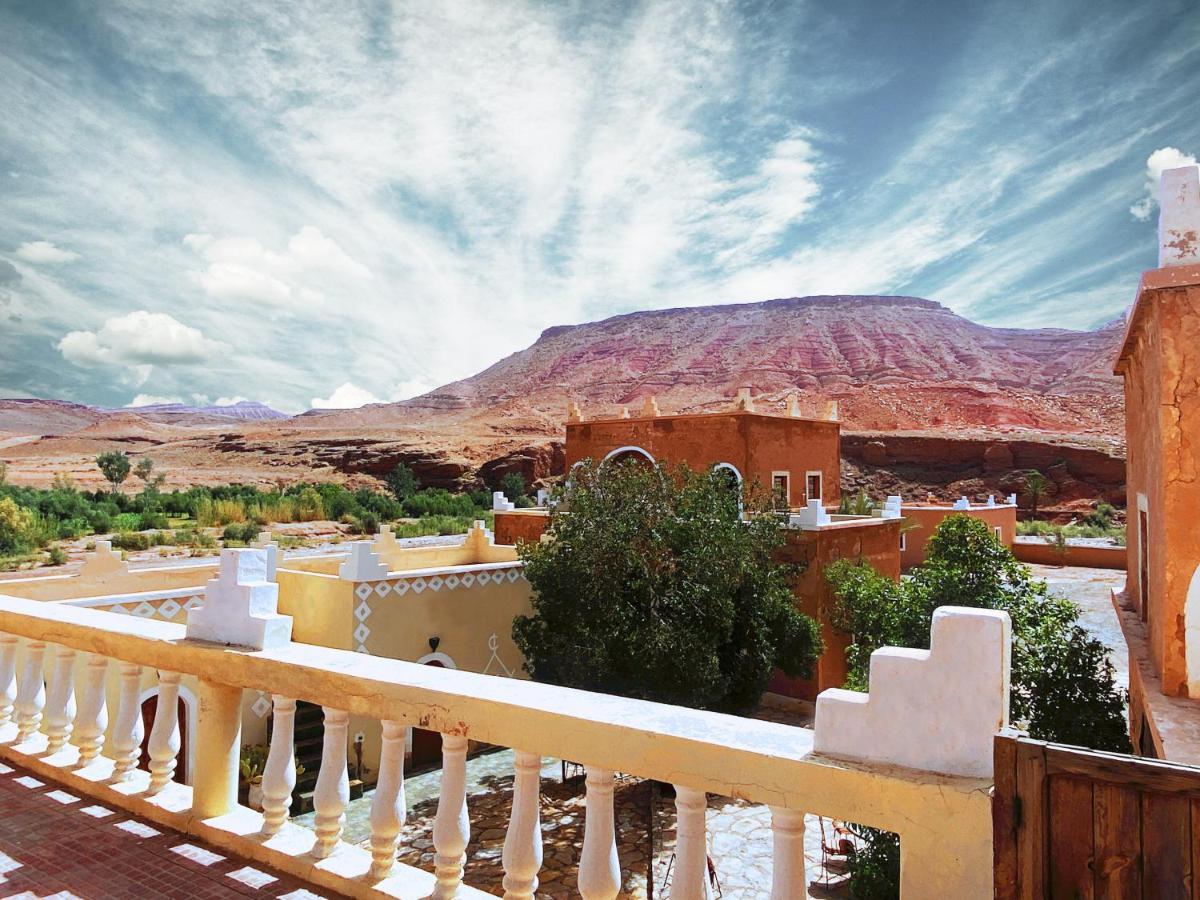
450	581
168	608
143	609
261	706
362	611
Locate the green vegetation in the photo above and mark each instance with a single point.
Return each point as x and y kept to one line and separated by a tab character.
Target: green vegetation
1099	523
515	489
114	466
31	519
402	482
654	587
1063	685
859	505
1035	484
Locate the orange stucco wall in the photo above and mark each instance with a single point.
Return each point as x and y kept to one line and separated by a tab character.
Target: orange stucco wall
921	522
875	541
757	445
1043	554
1162	417
520	525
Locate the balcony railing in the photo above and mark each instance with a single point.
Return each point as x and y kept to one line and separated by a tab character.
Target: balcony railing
47	651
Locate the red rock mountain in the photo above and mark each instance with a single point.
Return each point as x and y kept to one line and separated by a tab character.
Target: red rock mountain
892	363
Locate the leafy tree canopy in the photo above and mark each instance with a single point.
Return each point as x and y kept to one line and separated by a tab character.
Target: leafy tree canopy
653	586
402	482
114	466
1063	685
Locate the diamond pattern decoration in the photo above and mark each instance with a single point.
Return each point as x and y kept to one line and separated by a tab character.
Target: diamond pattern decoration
143	609
168	609
484	578
363	591
363	610
401	588
418	585
436	582
124	610
193	602
383	588
361	648
261	706
451	582
468	579
362	632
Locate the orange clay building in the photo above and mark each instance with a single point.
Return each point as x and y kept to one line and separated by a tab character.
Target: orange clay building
1160	362
921	520
797	457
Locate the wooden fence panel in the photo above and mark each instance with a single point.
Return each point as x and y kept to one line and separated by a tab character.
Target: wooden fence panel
1075	823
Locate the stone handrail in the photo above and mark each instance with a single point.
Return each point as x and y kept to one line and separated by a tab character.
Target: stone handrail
943	821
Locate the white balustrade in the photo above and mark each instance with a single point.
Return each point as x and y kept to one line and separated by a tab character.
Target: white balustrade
279	774
452	825
164	742
689	880
128	729
388	807
788	879
522	855
331	795
8	676
60	700
599	867
92	719
31	691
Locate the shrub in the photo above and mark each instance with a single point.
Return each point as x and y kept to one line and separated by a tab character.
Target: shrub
239	533
402	482
15	525
654	587
513	485
114	466
132	540
367	523
57	556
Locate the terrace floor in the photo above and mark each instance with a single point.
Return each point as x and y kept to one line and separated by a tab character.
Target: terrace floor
55	844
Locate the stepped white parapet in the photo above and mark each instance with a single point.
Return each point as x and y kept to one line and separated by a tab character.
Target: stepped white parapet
500	503
385	543
934	709
363	564
241	604
1012	499
1179	217
891	507
811	516
103	561
991	501
962	503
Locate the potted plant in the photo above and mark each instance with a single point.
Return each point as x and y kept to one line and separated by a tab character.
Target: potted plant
253	761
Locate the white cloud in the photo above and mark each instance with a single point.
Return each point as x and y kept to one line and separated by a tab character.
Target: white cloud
44	252
151	400
229	401
345	396
138	340
1160	160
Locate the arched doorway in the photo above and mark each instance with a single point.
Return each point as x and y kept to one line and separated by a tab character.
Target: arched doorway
149	707
626	454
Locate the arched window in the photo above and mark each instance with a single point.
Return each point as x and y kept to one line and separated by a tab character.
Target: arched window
622	454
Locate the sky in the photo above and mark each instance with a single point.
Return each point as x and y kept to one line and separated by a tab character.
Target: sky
328	204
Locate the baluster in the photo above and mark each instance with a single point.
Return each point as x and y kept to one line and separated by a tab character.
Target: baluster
31	692
128	730
92	721
331	795
279	774
690	879
8	676
523	843
452	826
599	867
788	878
164	742
60	701
388	807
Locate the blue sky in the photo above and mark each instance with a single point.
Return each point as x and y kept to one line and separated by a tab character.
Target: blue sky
314	204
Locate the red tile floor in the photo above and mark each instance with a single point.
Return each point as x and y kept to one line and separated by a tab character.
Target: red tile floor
55	844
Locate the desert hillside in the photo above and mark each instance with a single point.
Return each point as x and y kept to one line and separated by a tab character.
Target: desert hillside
892	363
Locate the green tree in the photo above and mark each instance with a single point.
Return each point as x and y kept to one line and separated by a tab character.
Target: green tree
1063	684
513	485
402	482
15	524
144	467
654	587
114	466
1035	484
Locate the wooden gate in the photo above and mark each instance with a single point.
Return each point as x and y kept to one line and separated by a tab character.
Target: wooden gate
1070	822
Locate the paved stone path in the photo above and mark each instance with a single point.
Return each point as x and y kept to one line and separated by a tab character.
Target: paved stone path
1091	590
56	844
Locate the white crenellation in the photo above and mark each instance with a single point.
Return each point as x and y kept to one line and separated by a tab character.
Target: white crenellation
500	503
744	400
936	709
650	407
1179	217
241	604
103	561
1012	499
363	564
891	507
962	503
812	516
